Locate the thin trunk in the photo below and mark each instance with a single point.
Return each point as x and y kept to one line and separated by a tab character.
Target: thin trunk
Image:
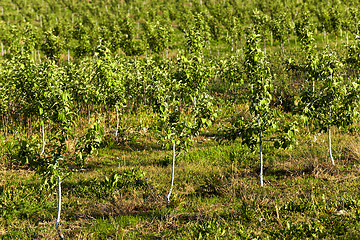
117	121
271	38
347	38
104	111
195	110
330	153
26	126
172	173
261	157
43	139
327	39
59	207
88	113
335	41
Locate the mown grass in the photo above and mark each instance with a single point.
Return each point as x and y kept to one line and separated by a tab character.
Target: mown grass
120	193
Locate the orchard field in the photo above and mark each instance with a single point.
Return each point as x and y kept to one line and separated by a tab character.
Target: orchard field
186	119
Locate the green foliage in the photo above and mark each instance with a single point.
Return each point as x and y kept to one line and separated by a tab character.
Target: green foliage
22	152
17	201
51	46
352	59
280	26
197	35
89	142
126	180
261	22
128	44
157	35
211	229
259	78
304	30
301	230
329	92
83	48
262	119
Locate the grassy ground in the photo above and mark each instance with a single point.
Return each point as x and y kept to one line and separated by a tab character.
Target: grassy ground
120	193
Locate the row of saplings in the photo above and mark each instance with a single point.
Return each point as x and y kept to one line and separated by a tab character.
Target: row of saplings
327	99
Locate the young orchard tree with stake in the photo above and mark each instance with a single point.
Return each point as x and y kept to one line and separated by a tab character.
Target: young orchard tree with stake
264	120
261	86
335	101
175	127
183	105
58	112
110	89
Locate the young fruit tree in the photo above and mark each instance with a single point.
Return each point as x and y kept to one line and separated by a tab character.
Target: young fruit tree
182	104
59	113
264	121
335	100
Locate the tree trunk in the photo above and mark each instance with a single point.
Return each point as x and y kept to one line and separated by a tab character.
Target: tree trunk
43	138
59	206
172	173
335	41
327	39
329	131
117	121
261	157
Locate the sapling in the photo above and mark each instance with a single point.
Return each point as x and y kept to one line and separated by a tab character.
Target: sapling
182	104
262	120
261	85
176	128
335	101
43	138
